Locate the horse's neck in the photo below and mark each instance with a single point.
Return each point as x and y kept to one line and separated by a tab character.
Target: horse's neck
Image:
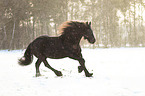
73	40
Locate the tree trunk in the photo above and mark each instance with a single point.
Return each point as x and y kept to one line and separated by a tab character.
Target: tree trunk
10	46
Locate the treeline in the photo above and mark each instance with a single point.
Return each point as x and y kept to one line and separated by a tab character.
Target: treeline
116	23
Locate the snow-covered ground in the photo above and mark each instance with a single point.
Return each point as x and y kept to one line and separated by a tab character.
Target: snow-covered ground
117	72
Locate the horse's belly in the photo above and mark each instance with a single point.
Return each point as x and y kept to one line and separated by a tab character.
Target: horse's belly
57	54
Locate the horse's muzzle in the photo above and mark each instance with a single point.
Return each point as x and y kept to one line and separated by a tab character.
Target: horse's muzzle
92	41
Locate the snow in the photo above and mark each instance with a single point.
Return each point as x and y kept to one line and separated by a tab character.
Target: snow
117	72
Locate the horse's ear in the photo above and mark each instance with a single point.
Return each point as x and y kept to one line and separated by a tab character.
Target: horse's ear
87	23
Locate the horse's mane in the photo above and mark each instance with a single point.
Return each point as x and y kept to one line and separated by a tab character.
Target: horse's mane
69	27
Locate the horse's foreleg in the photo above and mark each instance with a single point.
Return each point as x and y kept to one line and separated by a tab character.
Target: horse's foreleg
37	64
82	63
83	67
58	73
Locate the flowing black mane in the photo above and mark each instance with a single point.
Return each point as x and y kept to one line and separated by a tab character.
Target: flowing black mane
71	27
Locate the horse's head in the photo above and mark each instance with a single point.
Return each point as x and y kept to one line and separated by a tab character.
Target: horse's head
88	33
74	30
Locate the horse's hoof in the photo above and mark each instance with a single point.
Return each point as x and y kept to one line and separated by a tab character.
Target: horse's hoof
80	69
38	74
89	75
58	73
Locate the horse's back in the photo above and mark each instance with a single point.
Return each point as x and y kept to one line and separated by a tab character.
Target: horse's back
51	47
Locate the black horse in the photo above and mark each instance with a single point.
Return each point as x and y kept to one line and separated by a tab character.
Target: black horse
65	45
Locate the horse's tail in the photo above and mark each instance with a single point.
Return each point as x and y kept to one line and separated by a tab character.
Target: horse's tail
27	58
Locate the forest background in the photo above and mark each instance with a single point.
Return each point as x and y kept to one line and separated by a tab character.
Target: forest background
115	23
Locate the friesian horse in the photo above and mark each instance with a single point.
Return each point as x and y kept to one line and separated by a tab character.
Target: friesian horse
65	45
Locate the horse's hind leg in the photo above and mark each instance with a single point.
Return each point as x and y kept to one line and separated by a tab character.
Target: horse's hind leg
58	73
37	64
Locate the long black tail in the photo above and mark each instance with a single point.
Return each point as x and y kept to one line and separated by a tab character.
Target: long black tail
27	58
